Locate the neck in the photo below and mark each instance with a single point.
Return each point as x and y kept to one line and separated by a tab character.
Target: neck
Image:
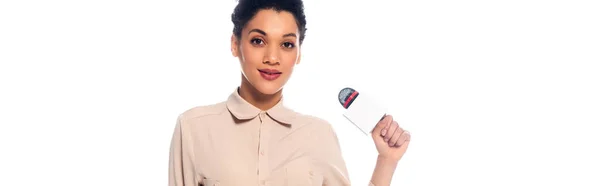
258	99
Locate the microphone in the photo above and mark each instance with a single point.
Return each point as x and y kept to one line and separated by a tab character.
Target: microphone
362	110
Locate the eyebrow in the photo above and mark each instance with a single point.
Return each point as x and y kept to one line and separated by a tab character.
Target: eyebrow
258	31
290	35
265	34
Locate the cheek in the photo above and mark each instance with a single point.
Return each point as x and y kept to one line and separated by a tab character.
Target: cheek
250	56
289	61
289	57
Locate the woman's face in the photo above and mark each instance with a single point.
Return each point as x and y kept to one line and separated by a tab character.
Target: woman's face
268	50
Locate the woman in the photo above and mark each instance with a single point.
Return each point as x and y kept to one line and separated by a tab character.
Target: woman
251	138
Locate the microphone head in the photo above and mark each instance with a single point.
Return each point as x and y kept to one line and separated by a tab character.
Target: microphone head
347	96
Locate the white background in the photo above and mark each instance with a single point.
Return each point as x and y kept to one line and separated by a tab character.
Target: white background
494	92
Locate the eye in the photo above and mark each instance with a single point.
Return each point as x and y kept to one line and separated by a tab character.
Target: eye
288	45
257	41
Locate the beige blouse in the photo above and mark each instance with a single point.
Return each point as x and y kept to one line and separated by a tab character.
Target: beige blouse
233	143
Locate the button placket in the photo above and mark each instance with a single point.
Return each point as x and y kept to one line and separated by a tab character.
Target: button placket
263	158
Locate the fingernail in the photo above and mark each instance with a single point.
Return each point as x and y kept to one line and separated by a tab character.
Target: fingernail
383	132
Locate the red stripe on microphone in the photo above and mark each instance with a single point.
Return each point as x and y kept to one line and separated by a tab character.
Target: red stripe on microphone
350	98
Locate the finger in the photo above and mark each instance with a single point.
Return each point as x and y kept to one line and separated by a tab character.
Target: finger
404	145
391	131
394	140
402	138
382	125
387	126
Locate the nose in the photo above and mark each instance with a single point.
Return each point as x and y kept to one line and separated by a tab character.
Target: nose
272	55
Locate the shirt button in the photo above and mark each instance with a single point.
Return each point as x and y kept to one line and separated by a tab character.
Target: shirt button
262	152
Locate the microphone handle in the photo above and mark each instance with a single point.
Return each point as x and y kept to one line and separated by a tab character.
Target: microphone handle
365	113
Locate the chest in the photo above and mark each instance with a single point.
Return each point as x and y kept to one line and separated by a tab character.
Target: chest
257	155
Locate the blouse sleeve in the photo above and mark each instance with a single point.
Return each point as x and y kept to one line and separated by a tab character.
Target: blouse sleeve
181	164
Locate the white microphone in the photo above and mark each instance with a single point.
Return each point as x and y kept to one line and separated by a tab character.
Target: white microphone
362	110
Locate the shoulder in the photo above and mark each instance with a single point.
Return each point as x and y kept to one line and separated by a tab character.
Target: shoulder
202	111
317	124
313	120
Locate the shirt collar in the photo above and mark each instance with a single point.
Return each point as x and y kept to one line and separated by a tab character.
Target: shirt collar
243	110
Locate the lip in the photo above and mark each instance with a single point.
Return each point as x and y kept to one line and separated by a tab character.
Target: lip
269	71
269	74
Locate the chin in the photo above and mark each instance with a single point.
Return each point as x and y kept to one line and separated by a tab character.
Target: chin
268	88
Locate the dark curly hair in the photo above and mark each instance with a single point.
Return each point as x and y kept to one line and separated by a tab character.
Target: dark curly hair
246	9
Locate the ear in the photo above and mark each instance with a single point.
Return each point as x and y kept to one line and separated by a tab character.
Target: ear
234	45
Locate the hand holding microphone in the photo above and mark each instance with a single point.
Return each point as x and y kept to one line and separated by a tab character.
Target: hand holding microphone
390	139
